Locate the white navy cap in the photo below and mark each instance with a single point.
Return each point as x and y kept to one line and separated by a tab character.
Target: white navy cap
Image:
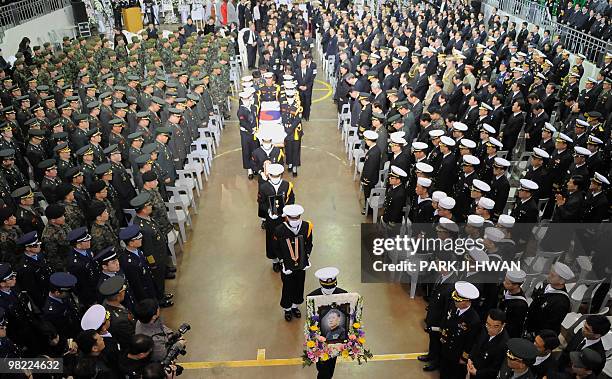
564	138
540	153
447	203
487	128
460	126
598	178
94	317
447	141
424	182
493	234
371	135
419	146
398	134
486	203
478	255
528	185
293	210
466	291
268	75
275	169
475	220
563	270
467	143
506	221
247	85
582	123
449	225
397	139
438	195
287	77
250	90
501	162
327	276
479	185
247	78
471	160
436	133
549	127
579	150
594	140
245	95
398	172
516	276
486	106
424	167
289	85
495	142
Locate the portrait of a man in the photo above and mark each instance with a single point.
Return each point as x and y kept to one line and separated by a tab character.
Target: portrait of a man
334	323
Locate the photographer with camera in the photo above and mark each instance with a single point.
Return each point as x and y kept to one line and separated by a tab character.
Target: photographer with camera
137	357
150	324
159	371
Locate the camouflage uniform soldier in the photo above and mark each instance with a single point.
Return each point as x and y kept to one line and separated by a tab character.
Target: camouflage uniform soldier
102	234
73	214
159	212
9	234
218	91
55	237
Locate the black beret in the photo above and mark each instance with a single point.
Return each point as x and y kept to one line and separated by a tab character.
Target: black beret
54	211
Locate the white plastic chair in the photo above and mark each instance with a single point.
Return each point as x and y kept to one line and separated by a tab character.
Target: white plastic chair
186	179
172	240
183	196
375	201
359	156
193	164
179	215
345	112
582	291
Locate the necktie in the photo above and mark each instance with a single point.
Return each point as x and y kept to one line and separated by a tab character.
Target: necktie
581	344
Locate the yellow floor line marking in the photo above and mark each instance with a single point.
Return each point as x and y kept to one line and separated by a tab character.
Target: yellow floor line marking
261	354
263	362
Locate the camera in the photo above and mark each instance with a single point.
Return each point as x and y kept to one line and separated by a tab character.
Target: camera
173	352
175	336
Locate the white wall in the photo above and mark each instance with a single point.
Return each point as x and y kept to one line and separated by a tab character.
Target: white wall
48	28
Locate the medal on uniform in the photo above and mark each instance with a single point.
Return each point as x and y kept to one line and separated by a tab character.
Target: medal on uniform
295	254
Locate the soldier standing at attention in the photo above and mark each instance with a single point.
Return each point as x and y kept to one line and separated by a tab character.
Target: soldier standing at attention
328	280
55	237
122	323
458	331
270	91
292	120
60	308
293	240
395	198
247	118
34	272
81	264
265	154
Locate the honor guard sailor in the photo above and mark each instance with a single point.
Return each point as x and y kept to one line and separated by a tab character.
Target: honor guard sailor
293	240
247	118
328	280
265	154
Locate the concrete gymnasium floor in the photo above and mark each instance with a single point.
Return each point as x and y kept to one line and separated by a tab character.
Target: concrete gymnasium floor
227	291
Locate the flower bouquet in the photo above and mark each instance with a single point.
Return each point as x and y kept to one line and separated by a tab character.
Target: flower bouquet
316	346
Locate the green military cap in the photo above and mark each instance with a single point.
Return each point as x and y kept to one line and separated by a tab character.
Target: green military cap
46	44
93	132
143	159
112	149
175	111
8	109
143	114
378	116
105	95
5	127
93	104
85	150
135	135
107	76
31	79
90	86
120	105
158	100
117	121
36	107
160	78
197	82
61	56
402	104
73	98
89	54
172	85
7	153
164	129
147	83
180	100
105	64
395	118
224	57
192	97
182	73
170	94
47	98
66	38
135	39
22	98
84	73
112	54
130	46
37	133
150	67
132	58
81	117
149	148
61	136
141	200
164	40
42	88
14	88
47	164
32	123
194	68
133	78
22	193
67	87
174	44
120	89
217	66
62	148
392	92
73	172
103	169
131	100
64	106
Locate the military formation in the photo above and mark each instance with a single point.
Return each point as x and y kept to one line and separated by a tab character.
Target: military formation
473	128
89	130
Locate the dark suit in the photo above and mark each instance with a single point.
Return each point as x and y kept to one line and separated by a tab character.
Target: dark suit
534	128
488	354
511	131
578	343
500	188
447	174
251	50
306	79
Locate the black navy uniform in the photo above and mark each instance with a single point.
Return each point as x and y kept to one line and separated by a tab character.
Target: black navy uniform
547	310
458	334
83	266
